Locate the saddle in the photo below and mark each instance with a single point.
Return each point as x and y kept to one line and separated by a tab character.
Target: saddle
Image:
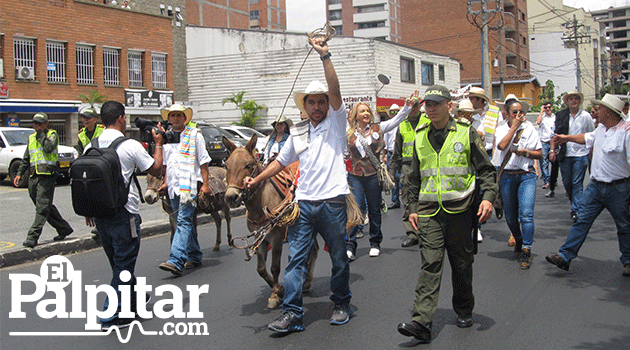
213	201
285	181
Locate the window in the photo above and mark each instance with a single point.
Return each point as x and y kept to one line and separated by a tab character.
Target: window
524	64
373	8
372	25
55	62
335	15
427	73
407	70
111	66
85	64
254	14
334	2
441	73
158	64
253	1
338	29
134	60
23	54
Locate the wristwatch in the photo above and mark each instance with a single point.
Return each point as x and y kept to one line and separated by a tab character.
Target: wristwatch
556	151
527	153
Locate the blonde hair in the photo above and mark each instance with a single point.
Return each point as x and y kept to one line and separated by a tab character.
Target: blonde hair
353	118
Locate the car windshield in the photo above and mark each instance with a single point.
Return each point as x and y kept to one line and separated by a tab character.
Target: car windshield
250	132
211	134
17	137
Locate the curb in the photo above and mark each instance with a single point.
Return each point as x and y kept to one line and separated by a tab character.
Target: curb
73	245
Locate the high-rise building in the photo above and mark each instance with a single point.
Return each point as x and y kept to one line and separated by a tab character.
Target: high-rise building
615	30
366	18
270	14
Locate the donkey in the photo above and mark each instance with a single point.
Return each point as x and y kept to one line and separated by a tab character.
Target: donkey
242	162
217	203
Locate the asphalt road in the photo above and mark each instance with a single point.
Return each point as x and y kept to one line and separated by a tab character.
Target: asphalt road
541	308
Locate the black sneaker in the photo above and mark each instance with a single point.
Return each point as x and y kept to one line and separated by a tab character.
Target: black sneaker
286	323
61	236
117	322
341	314
29	243
558	261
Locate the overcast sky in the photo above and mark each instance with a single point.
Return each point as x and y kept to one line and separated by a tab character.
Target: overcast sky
307	15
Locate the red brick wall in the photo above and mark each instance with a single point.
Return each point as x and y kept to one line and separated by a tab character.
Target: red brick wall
192	12
78	22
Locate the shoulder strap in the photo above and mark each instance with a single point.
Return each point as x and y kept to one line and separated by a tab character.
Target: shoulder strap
508	155
118	141
368	151
133	177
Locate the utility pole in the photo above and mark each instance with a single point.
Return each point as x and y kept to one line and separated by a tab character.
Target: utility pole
484	14
574	39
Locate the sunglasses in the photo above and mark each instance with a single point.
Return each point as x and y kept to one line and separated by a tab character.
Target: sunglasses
517	111
548	107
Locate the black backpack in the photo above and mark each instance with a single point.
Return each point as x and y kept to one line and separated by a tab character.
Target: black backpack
98	188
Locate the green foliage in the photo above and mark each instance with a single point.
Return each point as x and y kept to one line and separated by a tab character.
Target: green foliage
549	94
93	97
248	109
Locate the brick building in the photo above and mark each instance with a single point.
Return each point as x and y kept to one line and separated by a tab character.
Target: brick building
54	50
380	19
267	14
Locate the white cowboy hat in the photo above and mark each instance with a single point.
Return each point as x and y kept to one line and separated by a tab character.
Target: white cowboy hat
177	108
613	103
572	93
394	106
282	119
465	106
314	88
524	104
477	92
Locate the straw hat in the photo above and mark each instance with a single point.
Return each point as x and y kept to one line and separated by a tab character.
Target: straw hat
314	88
465	106
477	92
177	108
613	103
572	93
282	119
524	104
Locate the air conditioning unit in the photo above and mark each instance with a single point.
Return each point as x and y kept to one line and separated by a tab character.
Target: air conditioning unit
25	73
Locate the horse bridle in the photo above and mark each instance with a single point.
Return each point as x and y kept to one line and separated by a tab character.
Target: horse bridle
248	193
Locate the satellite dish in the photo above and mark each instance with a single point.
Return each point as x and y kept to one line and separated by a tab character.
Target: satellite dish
383	79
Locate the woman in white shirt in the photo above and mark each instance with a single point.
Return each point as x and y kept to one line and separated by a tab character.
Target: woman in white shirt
517	182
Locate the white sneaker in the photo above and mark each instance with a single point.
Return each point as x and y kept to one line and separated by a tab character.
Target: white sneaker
366	221
479	236
351	256
374	252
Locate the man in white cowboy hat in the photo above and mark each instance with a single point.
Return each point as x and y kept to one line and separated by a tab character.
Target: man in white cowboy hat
572	157
390	138
318	143
488	117
186	163
610	182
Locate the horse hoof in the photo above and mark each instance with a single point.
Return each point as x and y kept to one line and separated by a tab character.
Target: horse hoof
273	302
216	248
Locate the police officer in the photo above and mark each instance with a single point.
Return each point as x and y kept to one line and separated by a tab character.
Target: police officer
448	158
403	150
91	128
41	156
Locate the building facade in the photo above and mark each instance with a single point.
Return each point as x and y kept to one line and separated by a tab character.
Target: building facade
615	40
265	14
378	19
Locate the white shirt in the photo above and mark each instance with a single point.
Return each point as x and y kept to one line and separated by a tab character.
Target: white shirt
131	155
171	160
322	168
390	139
611	152
580	124
547	127
529	140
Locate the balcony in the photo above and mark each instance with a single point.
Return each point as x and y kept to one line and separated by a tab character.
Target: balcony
372	32
370	16
254	23
357	3
510	22
511	48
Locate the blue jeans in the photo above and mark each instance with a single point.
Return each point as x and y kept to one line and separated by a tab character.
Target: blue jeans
329	220
185	246
544	164
121	250
518	192
598	196
366	189
398	186
573	170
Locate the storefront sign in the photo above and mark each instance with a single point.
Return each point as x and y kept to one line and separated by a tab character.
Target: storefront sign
148	98
13	122
383	104
4	90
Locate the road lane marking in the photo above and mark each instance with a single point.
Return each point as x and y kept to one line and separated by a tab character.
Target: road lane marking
5	245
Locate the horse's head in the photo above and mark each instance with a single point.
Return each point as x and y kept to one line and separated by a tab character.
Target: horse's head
151	195
242	162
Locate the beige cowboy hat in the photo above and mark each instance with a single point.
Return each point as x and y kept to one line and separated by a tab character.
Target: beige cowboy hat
477	92
613	103
282	119
177	108
524	104
394	107
572	93
465	106
314	88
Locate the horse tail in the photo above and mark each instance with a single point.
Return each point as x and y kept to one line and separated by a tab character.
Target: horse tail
355	216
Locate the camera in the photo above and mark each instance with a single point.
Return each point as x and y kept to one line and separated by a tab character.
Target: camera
146	125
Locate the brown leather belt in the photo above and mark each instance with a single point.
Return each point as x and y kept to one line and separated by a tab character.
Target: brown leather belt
613	183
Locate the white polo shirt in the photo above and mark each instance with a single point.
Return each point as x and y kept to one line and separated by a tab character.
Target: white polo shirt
611	152
547	127
580	124
529	140
131	155
322	169
171	160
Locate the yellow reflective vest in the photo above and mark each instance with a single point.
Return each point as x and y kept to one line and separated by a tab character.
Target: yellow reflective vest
83	136
409	135
43	163
449	175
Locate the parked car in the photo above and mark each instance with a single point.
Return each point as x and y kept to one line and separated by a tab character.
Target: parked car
13	143
247	133
213	136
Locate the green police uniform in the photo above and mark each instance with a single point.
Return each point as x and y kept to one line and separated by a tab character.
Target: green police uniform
85	136
441	186
41	157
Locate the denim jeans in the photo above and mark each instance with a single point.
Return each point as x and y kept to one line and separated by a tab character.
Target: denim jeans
544	163
573	170
519	195
329	220
121	250
366	189
185	246
398	186
598	196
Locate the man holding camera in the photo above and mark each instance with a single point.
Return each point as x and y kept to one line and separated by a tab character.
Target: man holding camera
186	160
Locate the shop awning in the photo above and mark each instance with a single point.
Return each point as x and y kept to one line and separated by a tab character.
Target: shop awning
383	104
35	106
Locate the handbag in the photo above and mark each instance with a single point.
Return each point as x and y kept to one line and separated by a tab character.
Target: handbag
498	202
384	180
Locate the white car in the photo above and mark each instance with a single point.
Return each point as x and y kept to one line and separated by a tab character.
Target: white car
247	134
13	143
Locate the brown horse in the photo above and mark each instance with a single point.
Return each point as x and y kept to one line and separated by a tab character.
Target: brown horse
217	203
242	162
